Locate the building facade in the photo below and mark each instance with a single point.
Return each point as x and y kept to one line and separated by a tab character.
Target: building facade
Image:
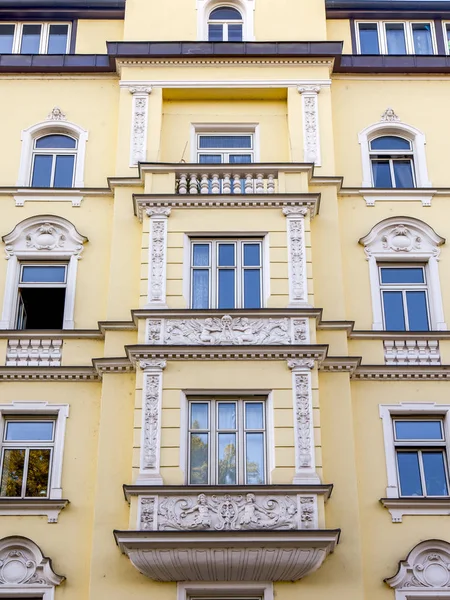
224	300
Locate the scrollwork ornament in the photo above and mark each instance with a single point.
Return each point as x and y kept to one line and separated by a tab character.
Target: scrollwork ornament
147	365
300	363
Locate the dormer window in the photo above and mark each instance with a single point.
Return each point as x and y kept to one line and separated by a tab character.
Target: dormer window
34	38
395	37
225	25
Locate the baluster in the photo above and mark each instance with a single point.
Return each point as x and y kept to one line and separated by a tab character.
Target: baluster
182	184
226	183
237	186
12	353
23	353
248	183
204	184
215	185
193	187
270	184
259	183
45	350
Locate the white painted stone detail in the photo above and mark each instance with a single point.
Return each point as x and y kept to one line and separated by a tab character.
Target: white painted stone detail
157	256
412	352
139	124
34	353
311	136
23	564
298	284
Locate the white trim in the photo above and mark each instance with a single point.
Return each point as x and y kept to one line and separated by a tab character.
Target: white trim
230	128
139	123
245	7
51	126
221	83
398	128
310	122
409	38
296	247
220	589
157	257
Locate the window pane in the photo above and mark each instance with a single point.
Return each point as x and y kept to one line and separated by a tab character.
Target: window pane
199	415
12	472
403	174
235	33
255	458
226	415
434	471
200	288
31	37
393	311
254	415
64	171
57	39
418	430
395	36
29	430
422	38
6	38
226	255
42	170
252	288
225	13
447	30
56	141
390	142
417	311
408	471
201	255
227	458
210	159
368	38
215	33
199	458
43	274
225	141
240	158
402	275
226	297
38	472
252	256
381	174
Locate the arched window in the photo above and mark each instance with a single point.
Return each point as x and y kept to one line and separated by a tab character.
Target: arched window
54	157
225	25
392	160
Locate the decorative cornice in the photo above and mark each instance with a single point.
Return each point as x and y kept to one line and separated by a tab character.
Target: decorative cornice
389	373
156	211
301	364
398	507
32	507
346	364
152	365
82	374
112	365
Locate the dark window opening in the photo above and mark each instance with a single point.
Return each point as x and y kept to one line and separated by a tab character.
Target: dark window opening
41	308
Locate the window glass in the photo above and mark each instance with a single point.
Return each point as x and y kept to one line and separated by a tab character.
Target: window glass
390	142
225	13
226	255
395	38
208	159
64	170
381	174
418	430
57	39
42	170
254	415
423	43
215	32
368	38
235	33
402	275
226	458
403	174
43	274
240	158
447	31
37	473
225	141
417	310
393	311
434	473
226	293
29	430
6	38
12	472
252	255
200	288
199	415
255	458
252	288
409	473
201	255
56	141
31	39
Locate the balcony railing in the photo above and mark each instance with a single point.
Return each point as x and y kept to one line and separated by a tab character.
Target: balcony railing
227	179
32	352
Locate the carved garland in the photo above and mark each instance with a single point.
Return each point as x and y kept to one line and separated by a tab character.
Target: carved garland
139	124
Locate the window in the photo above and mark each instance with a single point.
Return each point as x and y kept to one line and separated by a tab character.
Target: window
226	274
404	297
225	25
34	38
397	37
447	37
41	296
225	148
227	441
242	590
53	161
392	162
421	457
26	458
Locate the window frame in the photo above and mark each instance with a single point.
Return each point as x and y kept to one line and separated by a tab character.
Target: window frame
44	37
212	590
382	36
54	153
245	7
225	23
240	430
239	269
445	26
225	152
392	155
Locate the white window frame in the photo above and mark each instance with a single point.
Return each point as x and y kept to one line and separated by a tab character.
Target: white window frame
239	269
54	153
225	129
240	431
398	129
48	128
42	410
225	23
23	246
45	33
391	156
216	590
420	245
225	152
245	7
445	25
382	36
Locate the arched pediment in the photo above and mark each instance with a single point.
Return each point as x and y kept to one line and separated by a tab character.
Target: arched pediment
426	568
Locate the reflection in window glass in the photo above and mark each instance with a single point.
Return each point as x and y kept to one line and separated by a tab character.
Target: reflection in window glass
422	39
31	39
395	38
6	38
57	39
368	38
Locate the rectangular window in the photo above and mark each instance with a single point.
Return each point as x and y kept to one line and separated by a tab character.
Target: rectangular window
404	296
34	38
446	37
395	37
218	148
227	441
41	295
421	456
27	448
226	274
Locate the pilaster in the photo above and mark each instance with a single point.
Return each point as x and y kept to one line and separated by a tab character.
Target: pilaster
311	134
298	284
157	258
139	124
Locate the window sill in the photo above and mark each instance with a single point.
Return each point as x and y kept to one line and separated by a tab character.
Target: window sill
416	506
33	507
372	195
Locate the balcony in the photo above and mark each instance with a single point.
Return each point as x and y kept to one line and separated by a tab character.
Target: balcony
227	179
224	533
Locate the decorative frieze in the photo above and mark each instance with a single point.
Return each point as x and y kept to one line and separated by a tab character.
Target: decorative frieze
298	284
227	330
157	259
411	352
311	136
139	123
34	353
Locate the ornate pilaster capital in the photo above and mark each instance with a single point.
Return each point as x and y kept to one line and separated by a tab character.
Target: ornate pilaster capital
295	211
300	364
158	211
309	89
140	90
152	365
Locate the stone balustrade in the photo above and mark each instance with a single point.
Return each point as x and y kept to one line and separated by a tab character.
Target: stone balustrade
411	352
227	179
32	352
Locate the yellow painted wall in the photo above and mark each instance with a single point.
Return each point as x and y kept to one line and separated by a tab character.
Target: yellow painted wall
338	30
92	35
